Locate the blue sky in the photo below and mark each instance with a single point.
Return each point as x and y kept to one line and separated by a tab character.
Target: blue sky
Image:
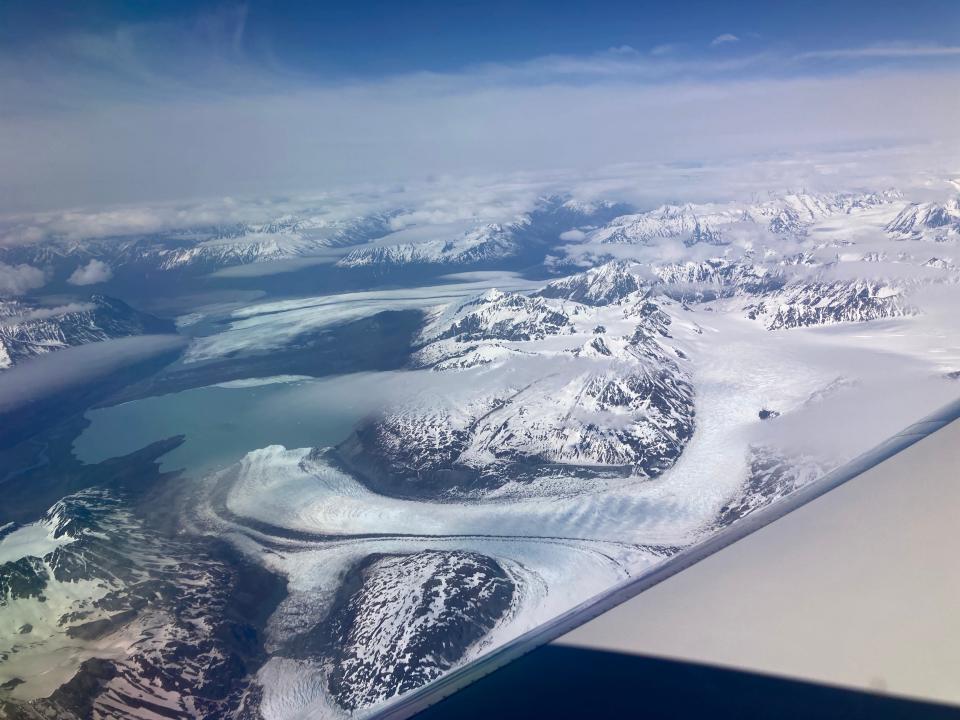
369	38
109	102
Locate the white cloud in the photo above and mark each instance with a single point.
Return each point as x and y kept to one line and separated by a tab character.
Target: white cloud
572	235
664	49
208	121
724	39
923	169
406	129
883	52
43	313
93	272
18	279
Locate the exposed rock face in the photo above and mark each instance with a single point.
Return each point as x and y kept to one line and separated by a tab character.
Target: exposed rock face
404	620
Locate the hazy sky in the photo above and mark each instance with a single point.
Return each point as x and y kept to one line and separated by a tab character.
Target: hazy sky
105	103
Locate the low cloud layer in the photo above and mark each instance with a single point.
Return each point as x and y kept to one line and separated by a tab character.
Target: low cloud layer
923	172
107	119
44	313
19	279
92	273
46	375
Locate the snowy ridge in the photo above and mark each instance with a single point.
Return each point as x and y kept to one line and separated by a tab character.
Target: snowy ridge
28	329
486	243
497	315
928	221
411	618
285	238
603	285
208	248
715	224
820	303
717	278
544	441
611	401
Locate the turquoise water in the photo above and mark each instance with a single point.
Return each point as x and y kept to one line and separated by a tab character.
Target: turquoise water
222	424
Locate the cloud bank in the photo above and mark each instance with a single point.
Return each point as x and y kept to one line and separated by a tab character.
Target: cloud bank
122	118
46	375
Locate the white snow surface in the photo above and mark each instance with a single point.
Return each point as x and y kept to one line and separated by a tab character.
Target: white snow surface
32	540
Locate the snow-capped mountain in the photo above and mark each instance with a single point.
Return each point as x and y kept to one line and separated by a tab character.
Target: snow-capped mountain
204	249
602	285
938	222
384	240
717	278
381	244
536	230
718	224
821	303
694	225
489	242
497	315
404	620
28	329
528	447
771	476
279	240
567	395
940	263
